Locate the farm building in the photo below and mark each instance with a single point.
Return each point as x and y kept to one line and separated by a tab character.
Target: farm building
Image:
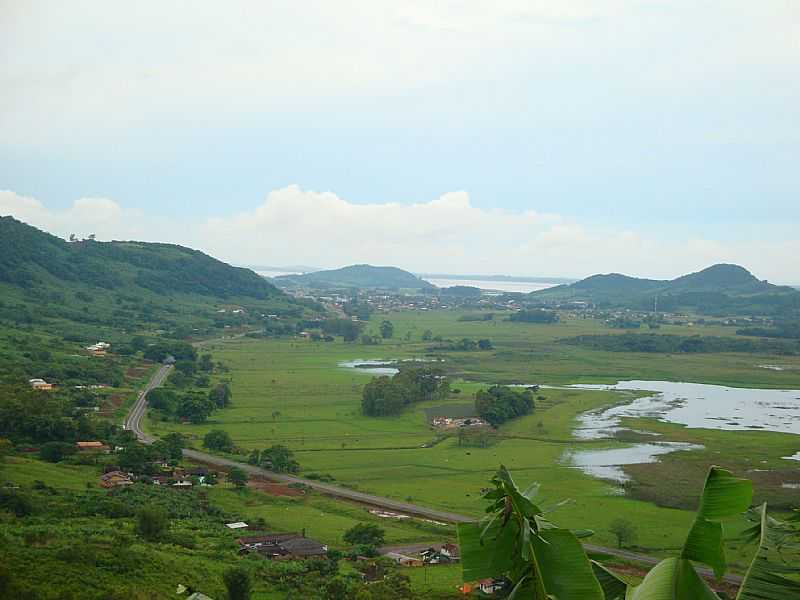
38	383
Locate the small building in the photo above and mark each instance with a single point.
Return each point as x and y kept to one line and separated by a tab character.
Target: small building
92	446
282	546
114	479
38	383
236	525
403	560
451	550
98	349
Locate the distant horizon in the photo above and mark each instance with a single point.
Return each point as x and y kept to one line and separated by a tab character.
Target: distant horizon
489	277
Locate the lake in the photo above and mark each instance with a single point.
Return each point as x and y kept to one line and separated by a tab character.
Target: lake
521	287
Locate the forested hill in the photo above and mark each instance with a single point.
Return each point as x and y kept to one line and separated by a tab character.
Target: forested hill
722	287
356	276
30	258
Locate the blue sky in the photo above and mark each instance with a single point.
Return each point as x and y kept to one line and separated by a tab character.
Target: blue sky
670	128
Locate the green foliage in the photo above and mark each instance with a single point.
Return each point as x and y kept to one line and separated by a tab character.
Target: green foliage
623	530
677	344
500	403
534	316
357	276
277	458
238	477
237	583
348	329
543	561
518	542
152	522
221	395
389	396
219	440
367	534
55	451
387	330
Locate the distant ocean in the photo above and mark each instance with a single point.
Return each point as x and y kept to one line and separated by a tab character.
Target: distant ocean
505	285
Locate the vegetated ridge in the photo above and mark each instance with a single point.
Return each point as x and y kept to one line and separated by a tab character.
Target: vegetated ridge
357	276
31	258
721	287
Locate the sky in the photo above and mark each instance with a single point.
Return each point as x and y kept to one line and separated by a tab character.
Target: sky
552	138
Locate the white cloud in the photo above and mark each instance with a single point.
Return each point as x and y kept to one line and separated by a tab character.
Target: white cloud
84	71
447	234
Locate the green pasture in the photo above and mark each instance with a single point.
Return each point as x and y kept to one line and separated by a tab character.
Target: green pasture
291	391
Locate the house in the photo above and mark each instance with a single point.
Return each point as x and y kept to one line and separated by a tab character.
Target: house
303	547
98	349
282	546
92	446
114	479
431	556
38	383
403	560
451	550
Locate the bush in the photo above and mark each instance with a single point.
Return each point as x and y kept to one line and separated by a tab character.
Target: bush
365	534
237	582
219	440
152	522
55	451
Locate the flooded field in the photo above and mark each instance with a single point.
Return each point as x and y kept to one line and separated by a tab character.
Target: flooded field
692	404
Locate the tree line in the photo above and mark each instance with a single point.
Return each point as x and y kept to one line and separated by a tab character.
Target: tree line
384	396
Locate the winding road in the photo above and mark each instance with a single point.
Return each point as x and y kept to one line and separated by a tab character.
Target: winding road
133	422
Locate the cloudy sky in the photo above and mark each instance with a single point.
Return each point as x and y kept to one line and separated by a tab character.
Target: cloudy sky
527	137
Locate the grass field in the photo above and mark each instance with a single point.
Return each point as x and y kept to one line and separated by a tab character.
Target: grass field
292	392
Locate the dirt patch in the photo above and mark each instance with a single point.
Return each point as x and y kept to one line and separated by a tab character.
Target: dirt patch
135	372
274	489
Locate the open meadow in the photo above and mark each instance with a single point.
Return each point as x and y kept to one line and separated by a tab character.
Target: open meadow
292	391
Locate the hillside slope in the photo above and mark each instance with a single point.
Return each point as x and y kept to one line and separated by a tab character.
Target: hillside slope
356	276
123	285
29	257
718	288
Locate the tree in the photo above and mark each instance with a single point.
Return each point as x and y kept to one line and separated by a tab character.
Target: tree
221	395
237	582
238	477
276	458
485	344
151	522
55	451
219	440
387	330
206	364
623	530
367	534
427	335
174	443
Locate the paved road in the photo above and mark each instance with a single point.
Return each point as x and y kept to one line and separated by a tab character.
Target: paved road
134	420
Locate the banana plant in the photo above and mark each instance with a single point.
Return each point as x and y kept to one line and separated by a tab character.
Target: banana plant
516	541
545	562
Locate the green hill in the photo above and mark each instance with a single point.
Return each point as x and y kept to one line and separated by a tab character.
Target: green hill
356	276
122	285
718	289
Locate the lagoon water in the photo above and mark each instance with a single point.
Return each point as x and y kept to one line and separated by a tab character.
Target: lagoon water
607	464
695	405
371	366
520	287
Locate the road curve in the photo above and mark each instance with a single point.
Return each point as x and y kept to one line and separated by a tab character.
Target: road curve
133	423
